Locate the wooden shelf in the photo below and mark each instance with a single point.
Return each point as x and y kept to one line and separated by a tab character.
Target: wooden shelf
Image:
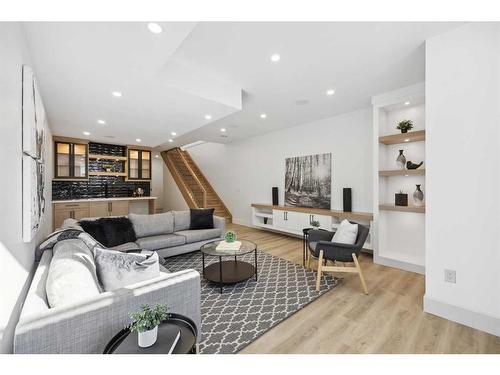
403	172
393	207
267	216
416	136
107	174
107	157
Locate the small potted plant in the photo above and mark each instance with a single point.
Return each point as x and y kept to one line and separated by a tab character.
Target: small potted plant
230	236
108	167
405	125
146	323
315	224
401	199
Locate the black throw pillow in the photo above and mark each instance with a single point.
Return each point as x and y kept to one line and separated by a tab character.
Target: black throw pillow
117	230
93	228
202	218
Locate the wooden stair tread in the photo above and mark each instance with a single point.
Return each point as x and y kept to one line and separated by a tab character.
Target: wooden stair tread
193	179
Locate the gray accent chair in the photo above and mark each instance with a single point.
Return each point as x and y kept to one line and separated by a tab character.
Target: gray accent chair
320	246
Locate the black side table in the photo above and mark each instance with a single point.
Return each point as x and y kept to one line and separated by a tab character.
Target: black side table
126	343
305	253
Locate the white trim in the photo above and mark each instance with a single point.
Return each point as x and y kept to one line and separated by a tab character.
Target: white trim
406	266
482	322
242	222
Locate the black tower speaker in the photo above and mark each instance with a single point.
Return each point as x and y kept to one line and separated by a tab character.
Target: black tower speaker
275	196
347	200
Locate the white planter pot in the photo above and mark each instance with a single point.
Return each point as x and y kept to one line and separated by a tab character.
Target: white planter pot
147	338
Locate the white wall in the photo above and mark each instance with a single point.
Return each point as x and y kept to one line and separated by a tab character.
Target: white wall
244	172
463	173
157	180
172	196
16	257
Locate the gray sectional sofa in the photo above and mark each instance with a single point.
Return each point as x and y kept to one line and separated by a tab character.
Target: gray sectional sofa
169	233
87	326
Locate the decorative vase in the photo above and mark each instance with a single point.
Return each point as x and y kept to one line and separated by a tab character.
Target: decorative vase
404	130
401	160
315	228
147	338
418	197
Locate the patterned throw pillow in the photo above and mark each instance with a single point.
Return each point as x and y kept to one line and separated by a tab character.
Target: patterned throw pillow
116	269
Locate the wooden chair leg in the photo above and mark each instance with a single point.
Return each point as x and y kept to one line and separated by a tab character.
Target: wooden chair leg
360	273
309	261
320	265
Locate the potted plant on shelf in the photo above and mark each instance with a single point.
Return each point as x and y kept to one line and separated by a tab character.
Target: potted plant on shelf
405	125
315	224
108	167
146	323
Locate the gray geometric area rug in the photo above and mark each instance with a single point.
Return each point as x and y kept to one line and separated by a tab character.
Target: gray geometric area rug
246	310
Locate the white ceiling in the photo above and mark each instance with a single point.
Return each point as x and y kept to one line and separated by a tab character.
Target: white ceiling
171	80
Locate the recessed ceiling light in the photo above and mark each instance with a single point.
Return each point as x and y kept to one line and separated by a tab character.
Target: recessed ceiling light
223	130
86	133
154	28
208	117
117	94
263	115
407	140
101	122
330	92
170	140
137	139
174	133
275	57
407	103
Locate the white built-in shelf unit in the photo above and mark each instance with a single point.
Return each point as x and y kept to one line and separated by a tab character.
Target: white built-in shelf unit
399	231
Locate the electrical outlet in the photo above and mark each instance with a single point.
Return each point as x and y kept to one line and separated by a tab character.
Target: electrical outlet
450	276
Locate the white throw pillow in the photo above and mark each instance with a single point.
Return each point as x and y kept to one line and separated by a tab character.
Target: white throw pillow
346	233
117	269
72	274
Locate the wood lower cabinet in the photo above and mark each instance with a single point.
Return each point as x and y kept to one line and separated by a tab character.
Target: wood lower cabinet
108	208
97	208
63	211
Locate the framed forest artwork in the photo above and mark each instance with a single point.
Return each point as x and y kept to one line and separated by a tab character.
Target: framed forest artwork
308	181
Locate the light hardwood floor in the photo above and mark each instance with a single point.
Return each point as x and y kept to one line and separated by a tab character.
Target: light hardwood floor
389	320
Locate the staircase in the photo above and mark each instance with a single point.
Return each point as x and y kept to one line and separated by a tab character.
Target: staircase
193	185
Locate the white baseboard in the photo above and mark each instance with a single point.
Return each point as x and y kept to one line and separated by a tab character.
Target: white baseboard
463	316
406	266
242	222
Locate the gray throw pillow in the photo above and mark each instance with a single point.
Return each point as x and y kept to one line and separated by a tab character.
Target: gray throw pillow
72	274
116	269
182	220
152	225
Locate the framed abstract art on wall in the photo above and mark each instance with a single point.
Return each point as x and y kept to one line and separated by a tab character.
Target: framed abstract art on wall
34	130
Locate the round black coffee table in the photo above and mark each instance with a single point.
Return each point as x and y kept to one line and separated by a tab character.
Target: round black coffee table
125	342
229	271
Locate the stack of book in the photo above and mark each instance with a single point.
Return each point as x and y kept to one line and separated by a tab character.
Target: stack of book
228	247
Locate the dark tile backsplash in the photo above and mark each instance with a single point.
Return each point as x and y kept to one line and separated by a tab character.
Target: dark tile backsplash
95	187
105	149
